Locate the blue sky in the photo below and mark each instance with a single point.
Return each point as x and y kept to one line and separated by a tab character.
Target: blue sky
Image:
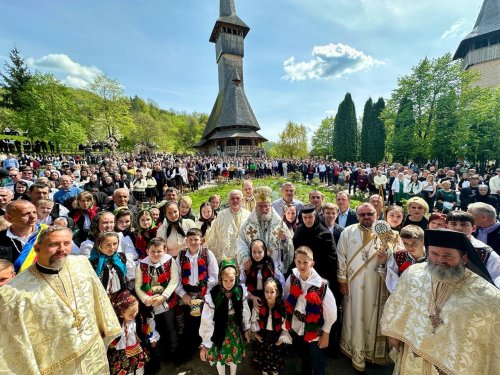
302	56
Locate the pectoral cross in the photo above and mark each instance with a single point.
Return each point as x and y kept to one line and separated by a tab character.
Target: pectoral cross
436	321
251	232
78	323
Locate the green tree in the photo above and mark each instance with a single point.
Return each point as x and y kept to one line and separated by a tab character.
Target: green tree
366	138
447	137
429	81
345	134
48	106
111	109
293	141
402	138
322	139
480	120
379	133
14	81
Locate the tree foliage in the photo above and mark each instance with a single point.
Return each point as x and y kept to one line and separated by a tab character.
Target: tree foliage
14	81
366	138
428	82
345	134
292	141
322	139
379	133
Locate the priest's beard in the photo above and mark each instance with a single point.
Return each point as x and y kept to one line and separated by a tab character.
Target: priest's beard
57	262
264	218
445	273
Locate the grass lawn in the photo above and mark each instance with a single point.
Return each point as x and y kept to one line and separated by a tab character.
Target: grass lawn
302	191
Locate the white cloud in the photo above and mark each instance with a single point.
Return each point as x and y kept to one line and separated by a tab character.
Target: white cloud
455	29
76	75
329	61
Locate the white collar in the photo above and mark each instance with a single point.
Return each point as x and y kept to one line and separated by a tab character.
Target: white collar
164	258
314	279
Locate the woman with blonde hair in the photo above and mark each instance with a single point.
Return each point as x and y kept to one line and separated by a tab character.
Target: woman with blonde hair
417	209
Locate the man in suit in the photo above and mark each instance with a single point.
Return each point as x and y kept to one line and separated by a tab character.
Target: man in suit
347	216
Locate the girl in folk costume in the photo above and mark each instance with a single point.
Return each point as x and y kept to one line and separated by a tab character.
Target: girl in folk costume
84	215
156	278
206	219
156	215
128	354
260	270
267	321
225	320
126	231
199	270
174	228
310	312
108	263
146	230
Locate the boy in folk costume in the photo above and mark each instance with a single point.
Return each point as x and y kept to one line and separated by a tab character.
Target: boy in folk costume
198	269
310	312
155	281
413	252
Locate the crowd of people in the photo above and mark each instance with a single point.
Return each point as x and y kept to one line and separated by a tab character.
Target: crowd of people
113	257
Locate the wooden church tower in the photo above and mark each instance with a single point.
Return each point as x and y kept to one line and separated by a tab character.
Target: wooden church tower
480	49
232	126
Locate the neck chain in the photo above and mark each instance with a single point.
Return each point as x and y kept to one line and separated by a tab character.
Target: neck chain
440	292
78	318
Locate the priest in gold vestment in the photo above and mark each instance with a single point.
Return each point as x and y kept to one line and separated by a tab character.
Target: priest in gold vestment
364	291
55	317
443	318
222	237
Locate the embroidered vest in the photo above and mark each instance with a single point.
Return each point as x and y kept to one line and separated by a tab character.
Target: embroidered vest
251	275
314	308
278	314
163	280
202	270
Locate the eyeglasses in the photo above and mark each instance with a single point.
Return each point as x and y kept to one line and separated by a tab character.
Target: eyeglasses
13	175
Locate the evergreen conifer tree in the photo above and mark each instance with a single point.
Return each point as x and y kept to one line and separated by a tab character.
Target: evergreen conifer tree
377	144
345	132
366	130
403	142
14	82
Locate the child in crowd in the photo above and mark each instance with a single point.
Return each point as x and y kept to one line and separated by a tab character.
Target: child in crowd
128	353
156	278
215	200
413	252
124	227
83	215
156	215
146	230
6	271
20	190
185	204
206	219
261	268
43	209
108	263
437	221
310	312
225	320
267	323
394	215
198	270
